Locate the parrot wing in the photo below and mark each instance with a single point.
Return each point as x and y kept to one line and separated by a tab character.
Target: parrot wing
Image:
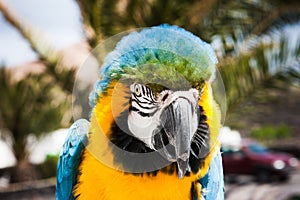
70	158
212	183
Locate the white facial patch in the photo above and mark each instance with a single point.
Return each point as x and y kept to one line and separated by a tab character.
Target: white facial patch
145	112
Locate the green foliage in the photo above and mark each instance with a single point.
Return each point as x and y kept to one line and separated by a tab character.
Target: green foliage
203	18
236	20
48	168
270	133
240	78
63	77
29	106
108	18
258	66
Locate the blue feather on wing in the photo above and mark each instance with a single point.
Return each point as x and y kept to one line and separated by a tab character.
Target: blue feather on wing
70	158
212	183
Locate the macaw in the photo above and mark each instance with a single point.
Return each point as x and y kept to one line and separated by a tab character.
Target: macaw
153	127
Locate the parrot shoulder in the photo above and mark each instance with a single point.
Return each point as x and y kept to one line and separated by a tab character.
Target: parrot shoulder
70	158
211	186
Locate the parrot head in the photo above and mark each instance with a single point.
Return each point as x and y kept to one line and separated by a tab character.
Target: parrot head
168	122
164	76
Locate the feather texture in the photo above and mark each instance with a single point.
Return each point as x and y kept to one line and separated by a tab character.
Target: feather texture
212	183
182	53
139	56
70	158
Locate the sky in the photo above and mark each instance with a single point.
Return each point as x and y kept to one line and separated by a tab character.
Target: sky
58	20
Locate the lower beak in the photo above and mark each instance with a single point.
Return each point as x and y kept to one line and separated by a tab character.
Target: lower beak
177	123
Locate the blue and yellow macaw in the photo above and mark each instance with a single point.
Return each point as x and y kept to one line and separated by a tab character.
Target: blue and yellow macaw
154	123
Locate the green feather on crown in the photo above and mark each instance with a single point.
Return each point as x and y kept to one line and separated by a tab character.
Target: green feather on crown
161	56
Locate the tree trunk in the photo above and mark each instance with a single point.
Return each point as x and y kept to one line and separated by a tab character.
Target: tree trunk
23	171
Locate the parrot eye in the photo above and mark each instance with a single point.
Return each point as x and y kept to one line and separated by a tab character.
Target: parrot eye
137	90
142	94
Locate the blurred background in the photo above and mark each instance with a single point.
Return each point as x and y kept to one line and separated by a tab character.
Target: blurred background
43	43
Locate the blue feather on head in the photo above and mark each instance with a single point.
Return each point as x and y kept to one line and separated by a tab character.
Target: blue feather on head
182	52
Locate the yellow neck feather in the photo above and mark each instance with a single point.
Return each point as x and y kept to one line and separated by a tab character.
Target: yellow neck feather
100	181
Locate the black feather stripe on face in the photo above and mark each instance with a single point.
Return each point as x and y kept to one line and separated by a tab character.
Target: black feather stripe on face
124	139
200	143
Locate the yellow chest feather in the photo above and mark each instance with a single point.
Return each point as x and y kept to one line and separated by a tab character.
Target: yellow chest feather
99	181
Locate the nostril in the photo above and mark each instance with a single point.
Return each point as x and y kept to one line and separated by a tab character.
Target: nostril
165	97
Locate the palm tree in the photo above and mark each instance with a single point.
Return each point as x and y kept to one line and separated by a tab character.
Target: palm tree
63	75
204	18
237	21
28	106
106	18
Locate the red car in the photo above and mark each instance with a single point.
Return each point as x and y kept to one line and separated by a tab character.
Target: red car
253	159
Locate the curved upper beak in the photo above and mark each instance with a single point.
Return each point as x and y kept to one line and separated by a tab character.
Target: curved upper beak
179	122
